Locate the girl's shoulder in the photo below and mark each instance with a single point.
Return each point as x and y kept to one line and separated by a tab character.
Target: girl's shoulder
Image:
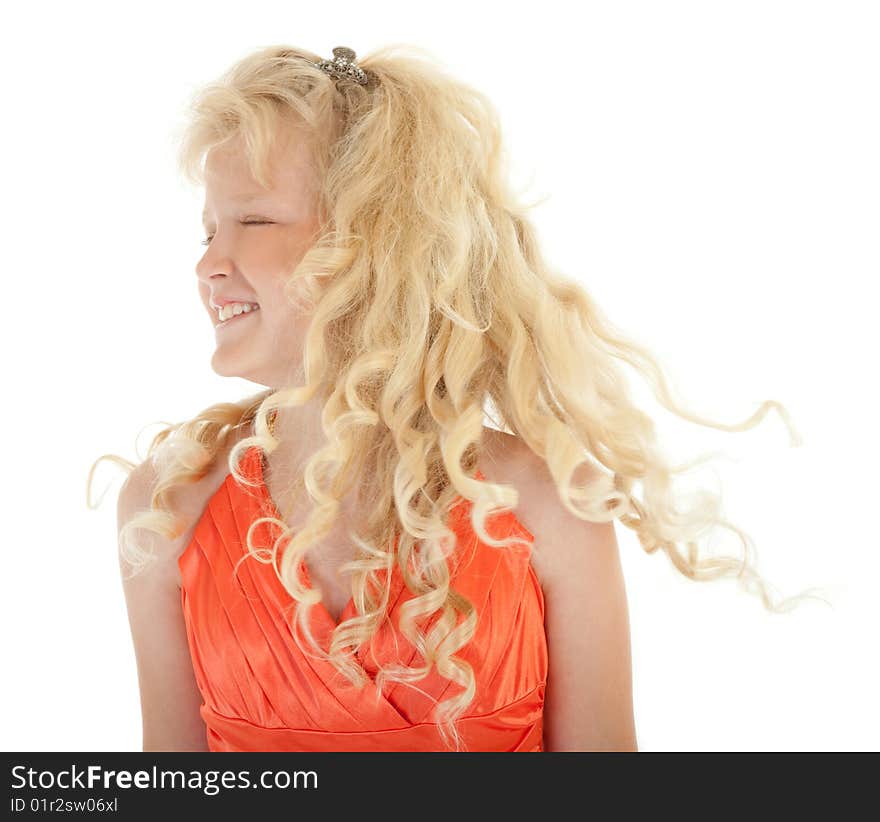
560	537
187	502
507	460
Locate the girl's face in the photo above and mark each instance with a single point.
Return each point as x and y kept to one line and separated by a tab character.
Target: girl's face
255	237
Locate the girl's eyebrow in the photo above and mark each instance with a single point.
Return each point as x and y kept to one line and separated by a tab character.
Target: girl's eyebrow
245	199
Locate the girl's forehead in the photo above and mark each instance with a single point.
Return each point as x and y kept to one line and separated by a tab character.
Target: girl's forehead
228	174
223	164
287	171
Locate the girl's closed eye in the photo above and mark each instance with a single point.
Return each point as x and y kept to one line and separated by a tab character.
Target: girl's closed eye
208	239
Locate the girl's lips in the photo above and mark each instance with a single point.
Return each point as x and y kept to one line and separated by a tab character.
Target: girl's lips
224	323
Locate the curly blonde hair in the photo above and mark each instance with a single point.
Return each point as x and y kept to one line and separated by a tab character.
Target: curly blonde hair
429	296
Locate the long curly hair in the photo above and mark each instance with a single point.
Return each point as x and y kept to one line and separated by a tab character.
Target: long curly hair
429	298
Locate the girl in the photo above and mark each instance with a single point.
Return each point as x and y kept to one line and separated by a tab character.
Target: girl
349	559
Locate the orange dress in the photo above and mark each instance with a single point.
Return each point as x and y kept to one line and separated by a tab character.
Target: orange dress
262	693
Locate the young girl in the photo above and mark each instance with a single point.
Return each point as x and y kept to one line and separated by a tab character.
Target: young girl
350	559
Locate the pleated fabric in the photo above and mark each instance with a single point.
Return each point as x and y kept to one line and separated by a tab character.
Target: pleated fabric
262	693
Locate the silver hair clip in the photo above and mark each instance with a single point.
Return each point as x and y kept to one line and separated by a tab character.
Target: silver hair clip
343	65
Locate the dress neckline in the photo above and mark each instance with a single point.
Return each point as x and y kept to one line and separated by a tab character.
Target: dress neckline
253	469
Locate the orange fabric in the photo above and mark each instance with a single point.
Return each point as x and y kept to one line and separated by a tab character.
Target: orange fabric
262	693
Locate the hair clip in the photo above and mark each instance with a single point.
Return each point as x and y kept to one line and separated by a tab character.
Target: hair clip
343	65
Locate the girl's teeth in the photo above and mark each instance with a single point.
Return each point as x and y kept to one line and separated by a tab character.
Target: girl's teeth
233	310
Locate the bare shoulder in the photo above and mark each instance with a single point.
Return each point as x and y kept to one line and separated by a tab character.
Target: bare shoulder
187	501
560	537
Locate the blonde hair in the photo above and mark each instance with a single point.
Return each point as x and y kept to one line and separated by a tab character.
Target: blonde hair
430	296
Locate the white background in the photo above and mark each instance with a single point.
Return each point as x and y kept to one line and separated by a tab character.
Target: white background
708	171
